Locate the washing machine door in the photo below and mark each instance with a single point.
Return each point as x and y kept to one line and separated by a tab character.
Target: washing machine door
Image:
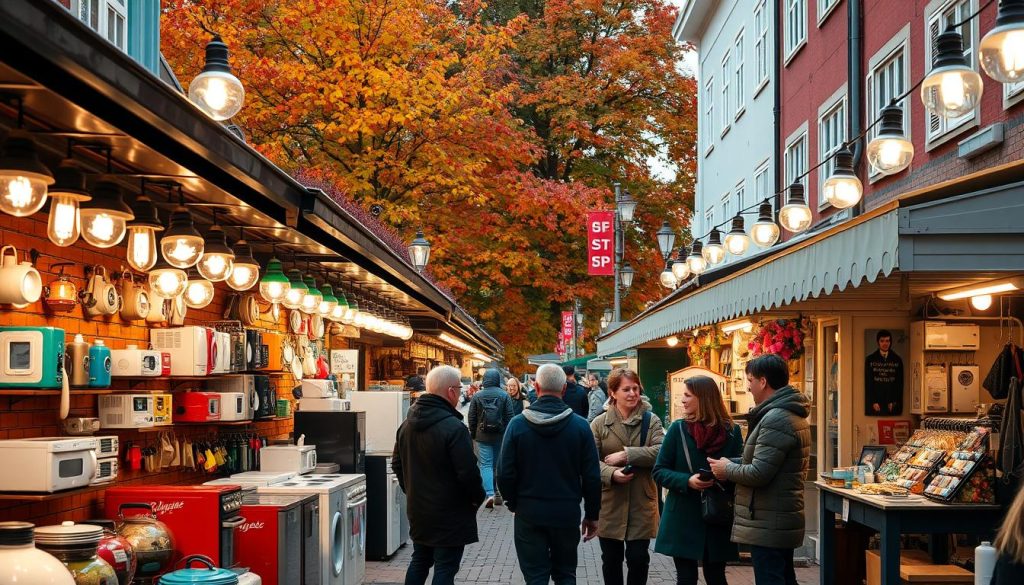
337	544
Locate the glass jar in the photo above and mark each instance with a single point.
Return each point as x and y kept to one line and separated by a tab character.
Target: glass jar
21	563
75	545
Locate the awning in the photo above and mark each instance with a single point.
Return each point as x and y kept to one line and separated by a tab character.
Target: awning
543	358
843	256
580	362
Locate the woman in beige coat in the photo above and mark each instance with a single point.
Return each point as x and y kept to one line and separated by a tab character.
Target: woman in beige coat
629	497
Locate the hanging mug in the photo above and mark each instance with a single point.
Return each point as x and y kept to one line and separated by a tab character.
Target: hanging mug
20	284
101	297
135	300
158	309
61	295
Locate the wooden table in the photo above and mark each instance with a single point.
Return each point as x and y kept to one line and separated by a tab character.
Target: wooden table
892	517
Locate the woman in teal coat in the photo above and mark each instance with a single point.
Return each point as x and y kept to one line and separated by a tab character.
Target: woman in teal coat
706	430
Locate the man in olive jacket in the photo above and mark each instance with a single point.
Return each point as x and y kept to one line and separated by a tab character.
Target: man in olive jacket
436	468
769	478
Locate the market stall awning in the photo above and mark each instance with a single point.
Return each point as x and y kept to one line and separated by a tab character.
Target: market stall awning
580	362
543	358
846	255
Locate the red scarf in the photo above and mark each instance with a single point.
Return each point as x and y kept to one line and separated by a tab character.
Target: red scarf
710	439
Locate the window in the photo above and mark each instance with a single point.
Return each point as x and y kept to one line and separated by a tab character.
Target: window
109	18
709	114
940	14
887	78
737	51
796	157
726	206
741	197
831	135
796	26
825	8
726	99
709	218
761	44
1012	93
762	188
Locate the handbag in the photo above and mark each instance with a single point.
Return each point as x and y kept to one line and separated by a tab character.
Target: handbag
716	505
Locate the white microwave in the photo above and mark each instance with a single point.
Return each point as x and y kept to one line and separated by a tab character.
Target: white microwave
47	464
294	458
192	349
106	471
236	406
126	411
133	361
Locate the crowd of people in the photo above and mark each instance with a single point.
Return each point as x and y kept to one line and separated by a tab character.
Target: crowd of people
578	461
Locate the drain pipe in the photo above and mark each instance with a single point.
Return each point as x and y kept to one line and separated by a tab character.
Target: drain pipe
855	79
777	108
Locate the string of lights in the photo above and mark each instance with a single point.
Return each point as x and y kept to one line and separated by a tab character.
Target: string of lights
952	88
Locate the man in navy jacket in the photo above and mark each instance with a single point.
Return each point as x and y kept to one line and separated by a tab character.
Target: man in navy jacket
549	464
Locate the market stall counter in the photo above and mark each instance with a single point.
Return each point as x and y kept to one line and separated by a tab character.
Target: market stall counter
893	516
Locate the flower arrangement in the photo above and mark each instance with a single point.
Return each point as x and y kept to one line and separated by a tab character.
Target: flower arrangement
700	348
783	337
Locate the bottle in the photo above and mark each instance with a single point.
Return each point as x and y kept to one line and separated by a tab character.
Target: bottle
984	563
99	365
78	362
21	563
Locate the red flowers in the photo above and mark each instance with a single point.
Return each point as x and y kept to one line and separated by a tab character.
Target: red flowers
783	337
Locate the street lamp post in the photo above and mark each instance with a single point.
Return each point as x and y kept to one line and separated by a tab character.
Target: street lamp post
624	208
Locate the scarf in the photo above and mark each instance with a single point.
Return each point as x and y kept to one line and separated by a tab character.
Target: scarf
710	439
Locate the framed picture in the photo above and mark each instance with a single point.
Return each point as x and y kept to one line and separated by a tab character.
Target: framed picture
872	455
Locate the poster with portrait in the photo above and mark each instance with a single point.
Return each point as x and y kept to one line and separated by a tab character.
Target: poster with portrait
884	371
675	388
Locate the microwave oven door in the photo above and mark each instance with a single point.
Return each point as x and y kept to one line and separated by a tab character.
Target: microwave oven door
22	357
72	469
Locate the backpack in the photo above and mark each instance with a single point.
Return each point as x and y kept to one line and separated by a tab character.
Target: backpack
491	422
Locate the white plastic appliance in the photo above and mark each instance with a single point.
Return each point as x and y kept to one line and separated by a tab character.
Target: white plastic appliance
132	361
126	411
47	464
292	458
965	381
385	412
191	348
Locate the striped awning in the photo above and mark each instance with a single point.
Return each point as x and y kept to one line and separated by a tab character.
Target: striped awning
844	256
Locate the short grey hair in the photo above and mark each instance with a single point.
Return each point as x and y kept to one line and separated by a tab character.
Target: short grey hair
550	378
442	378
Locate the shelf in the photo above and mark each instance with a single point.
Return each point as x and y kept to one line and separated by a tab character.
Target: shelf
38	392
36	497
233	423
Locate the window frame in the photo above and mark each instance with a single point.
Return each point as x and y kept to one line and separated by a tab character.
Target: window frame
740	195
709	114
825	11
726	206
709	218
120	7
726	96
949	129
800	135
739	74
835	104
898	44
792	48
763	169
762	56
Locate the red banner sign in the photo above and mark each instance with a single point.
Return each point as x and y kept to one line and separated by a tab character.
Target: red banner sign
601	243
567	325
560	345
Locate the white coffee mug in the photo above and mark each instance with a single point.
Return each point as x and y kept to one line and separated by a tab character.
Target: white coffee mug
20	284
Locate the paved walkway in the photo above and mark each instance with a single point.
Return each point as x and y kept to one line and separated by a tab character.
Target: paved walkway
493	561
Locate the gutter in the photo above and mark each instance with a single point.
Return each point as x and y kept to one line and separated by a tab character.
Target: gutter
855	79
777	108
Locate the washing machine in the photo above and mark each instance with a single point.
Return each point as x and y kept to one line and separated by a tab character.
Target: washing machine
334	524
355	521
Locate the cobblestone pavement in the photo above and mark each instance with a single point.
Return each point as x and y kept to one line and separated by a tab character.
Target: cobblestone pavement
493	561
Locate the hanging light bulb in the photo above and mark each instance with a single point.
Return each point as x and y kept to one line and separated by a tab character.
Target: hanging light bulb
312	296
679	267
328	302
737	241
198	290
216	90
890	152
1001	51
68	190
296	290
764	232
24	179
246	271
981	302
166	281
666	240
349	318
105	216
842	189
181	245
142	234
795	216
695	261
714	252
419	251
338	313
626	276
668	280
952	88
274	285
218	260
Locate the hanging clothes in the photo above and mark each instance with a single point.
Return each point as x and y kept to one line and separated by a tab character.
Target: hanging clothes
1010	460
1006	366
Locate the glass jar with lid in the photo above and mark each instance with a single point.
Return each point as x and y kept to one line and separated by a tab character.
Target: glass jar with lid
21	563
75	545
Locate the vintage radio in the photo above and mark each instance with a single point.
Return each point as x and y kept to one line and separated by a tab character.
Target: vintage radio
197	407
31	357
163	409
132	361
222	352
106	446
106	471
273	344
126	411
191	349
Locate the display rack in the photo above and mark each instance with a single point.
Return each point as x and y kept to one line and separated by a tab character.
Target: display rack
959	466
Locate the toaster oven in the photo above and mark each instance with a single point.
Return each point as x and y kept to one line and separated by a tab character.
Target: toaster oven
236	405
106	471
197	407
163	409
133	361
31	357
295	458
126	411
191	349
47	464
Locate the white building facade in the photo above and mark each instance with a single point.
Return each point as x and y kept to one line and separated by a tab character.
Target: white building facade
735	44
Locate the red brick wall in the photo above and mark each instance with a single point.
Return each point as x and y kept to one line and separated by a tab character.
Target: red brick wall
36	416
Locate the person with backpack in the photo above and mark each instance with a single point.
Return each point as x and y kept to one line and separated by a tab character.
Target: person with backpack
628	437
489	414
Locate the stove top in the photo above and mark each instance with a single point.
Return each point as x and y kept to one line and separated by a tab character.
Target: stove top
315	482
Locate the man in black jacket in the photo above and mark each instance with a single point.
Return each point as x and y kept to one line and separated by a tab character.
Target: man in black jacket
548	464
575	395
436	468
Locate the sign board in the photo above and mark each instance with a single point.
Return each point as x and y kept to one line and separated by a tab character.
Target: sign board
601	243
345	367
675	388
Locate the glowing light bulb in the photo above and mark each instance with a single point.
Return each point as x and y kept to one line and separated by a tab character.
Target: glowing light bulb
198	293
19	193
274	291
141	249
243	277
103	230
953	91
795	218
1001	50
981	302
216	267
64	224
181	250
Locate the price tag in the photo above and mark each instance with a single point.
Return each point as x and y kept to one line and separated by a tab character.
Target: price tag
846	510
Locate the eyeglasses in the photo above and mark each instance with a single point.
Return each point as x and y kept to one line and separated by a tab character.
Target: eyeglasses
635	389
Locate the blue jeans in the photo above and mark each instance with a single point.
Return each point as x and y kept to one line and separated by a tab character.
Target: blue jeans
488	463
773	566
444	559
546	552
